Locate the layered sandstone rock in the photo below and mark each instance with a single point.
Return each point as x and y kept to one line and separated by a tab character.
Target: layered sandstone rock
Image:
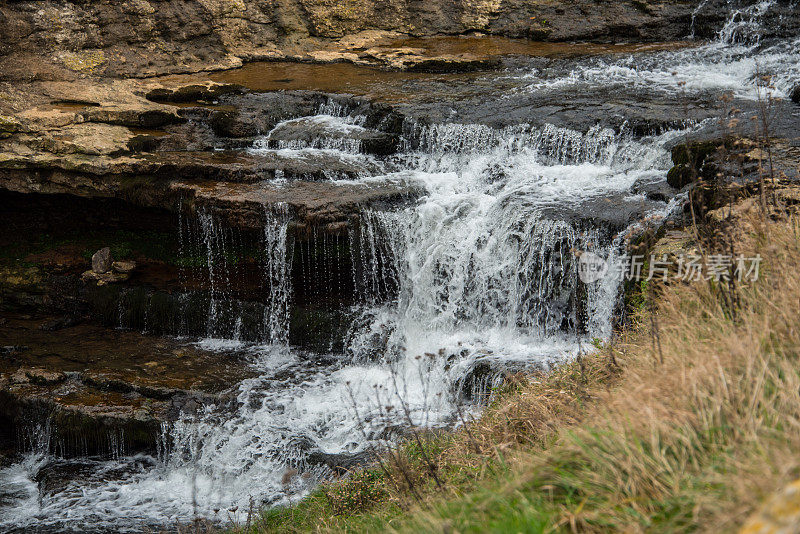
52	40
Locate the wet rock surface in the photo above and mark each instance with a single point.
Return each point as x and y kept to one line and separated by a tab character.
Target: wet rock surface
97	388
80	154
145	38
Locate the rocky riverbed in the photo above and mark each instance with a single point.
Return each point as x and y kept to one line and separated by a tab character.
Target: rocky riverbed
321	210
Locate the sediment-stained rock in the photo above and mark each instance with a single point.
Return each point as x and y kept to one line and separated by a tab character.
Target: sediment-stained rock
93	389
65	40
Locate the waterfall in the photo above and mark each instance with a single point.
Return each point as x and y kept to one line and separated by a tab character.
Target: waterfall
730	63
444	295
485	263
744	25
277	275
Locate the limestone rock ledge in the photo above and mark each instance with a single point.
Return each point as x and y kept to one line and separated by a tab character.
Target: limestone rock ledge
90	390
136	38
122	142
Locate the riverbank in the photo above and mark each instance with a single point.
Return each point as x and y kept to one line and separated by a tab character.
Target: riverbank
685	421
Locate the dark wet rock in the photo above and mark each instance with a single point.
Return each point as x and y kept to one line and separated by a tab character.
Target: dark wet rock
631	110
133	117
613	211
232	124
144	143
339	463
328	206
101	261
486	373
478	382
105	392
656	190
58	474
318	330
795	96
257	114
60	323
193	93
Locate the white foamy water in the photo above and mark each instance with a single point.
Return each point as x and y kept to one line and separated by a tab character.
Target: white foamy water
475	279
731	63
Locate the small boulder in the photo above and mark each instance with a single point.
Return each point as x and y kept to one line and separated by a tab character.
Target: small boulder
123	267
795	96
101	261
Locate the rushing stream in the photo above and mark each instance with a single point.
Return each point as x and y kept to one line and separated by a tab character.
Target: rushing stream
473	280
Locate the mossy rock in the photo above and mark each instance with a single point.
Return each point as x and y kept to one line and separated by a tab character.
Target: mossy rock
689	159
9	126
694	152
680	175
22	278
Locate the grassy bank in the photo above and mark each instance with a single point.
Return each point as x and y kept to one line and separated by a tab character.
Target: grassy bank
686	422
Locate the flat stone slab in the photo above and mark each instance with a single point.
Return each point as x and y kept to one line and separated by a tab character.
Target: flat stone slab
327	203
91	383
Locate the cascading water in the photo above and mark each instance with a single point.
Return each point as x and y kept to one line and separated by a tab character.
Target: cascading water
475	279
729	63
276	273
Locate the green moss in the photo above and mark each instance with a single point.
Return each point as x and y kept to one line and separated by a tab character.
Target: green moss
8	126
680	176
88	61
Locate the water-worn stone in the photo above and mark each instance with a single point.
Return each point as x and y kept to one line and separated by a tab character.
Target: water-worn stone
101	261
796	95
123	267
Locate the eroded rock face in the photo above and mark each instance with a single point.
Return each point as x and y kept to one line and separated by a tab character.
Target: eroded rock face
138	38
97	389
199	152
